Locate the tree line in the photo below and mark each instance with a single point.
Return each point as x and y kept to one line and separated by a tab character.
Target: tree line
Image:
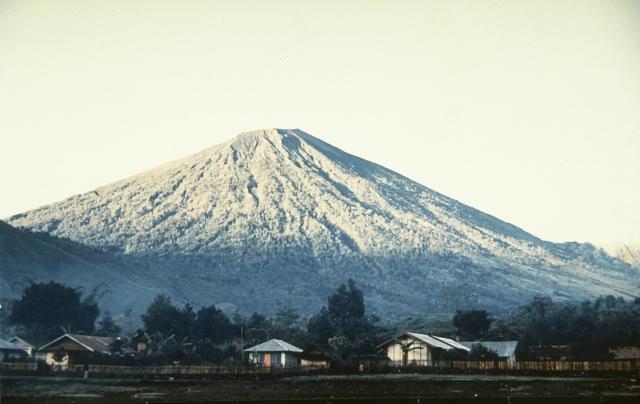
208	335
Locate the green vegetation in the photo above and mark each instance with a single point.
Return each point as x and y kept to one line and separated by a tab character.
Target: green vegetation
107	327
45	309
171	333
589	328
471	324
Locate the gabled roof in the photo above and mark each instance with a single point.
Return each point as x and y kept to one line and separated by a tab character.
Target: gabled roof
20	342
91	343
453	343
431	340
502	348
8	346
274	345
315	352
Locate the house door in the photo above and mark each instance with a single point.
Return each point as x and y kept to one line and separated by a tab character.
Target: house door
267	360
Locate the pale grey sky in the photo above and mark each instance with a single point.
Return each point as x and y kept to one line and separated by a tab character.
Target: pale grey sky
527	110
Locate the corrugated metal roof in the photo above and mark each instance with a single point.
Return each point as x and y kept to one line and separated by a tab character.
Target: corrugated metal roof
453	343
435	341
98	344
8	346
90	342
274	345
504	349
20	342
431	340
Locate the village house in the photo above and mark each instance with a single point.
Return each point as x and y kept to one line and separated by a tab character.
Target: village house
412	348
274	353
70	349
28	347
506	350
10	352
315	357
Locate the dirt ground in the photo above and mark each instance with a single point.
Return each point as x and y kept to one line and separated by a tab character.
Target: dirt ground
422	388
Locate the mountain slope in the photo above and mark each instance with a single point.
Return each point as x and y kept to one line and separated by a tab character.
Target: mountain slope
278	216
39	257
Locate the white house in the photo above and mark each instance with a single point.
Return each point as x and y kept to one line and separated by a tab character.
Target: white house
411	348
274	353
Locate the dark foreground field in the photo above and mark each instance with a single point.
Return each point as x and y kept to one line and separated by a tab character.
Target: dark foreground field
414	388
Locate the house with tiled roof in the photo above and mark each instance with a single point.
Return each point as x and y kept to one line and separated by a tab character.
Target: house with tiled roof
71	349
316	357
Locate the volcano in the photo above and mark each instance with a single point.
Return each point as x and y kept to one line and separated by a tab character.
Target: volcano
278	217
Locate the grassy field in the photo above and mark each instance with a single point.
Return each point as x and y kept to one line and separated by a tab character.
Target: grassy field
326	388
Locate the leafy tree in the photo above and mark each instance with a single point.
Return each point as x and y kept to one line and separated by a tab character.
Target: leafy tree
286	317
347	312
213	325
471	324
589	328
107	327
285	325
45	308
164	318
353	332
257	327
319	327
346	304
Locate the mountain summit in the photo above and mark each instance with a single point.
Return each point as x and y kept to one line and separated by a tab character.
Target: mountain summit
277	217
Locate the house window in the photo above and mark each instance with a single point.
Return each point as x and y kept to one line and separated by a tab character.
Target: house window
275	359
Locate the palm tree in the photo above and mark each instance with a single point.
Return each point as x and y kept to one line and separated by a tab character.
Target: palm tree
407	346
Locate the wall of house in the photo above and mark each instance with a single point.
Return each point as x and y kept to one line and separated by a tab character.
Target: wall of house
50	359
419	354
314	363
291	360
11	355
626	352
276	359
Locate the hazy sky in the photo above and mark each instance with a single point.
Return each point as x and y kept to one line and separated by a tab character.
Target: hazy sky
528	110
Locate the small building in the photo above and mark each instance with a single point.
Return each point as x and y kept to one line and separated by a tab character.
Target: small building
70	349
274	353
625	352
506	350
10	352
140	341
316	357
28	347
412	348
550	352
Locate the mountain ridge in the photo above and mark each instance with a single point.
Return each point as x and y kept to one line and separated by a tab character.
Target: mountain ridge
39	257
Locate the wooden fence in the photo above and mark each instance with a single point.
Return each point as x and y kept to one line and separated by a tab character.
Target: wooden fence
19	366
183	370
556	366
541	366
